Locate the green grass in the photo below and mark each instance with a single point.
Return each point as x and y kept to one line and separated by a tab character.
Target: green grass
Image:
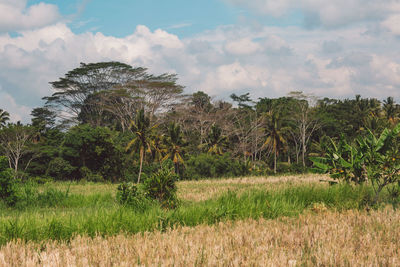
60	215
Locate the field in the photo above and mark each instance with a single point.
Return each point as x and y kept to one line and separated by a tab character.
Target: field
253	221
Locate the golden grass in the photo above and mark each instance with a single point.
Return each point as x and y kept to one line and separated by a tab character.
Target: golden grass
202	189
206	189
319	238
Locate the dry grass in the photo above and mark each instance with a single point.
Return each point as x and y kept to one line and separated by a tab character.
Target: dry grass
202	189
319	238
206	189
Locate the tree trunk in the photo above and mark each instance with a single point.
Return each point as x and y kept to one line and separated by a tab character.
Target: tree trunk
141	164
275	161
303	140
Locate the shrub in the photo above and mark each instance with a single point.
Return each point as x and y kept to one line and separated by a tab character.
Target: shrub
8	184
285	167
88	175
60	169
208	166
161	186
127	193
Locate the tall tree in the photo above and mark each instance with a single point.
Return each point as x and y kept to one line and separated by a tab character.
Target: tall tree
143	131
304	120
174	145
75	93
275	134
43	118
391	110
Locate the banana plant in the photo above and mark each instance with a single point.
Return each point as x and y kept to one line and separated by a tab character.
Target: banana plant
370	158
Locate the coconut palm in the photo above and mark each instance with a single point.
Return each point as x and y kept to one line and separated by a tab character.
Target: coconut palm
275	135
391	110
216	141
143	132
4	117
174	142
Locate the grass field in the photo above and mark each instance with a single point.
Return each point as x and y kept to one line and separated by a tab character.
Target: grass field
289	220
316	238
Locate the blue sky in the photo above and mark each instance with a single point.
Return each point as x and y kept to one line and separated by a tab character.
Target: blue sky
181	17
265	47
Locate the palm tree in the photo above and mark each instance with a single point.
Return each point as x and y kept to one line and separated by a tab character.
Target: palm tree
391	110
174	142
4	117
143	132
275	137
216	141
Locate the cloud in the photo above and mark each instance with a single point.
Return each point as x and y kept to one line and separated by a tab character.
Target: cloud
392	24
265	61
243	46
179	26
326	13
15	15
8	103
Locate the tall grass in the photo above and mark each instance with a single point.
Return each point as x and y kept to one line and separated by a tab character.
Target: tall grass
58	215
326	238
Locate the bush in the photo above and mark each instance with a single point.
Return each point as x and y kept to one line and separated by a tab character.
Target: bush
127	193
285	167
161	186
8	184
60	169
89	176
209	166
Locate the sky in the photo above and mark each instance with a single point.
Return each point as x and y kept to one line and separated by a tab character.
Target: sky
328	48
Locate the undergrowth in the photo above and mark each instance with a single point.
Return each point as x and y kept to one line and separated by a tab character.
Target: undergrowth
58	215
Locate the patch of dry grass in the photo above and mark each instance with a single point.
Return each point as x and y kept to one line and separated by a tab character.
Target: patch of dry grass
320	238
206	189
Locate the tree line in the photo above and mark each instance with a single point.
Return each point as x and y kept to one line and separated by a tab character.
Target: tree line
109	121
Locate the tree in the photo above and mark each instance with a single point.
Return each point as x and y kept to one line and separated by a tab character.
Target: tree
391	110
244	126
75	92
304	121
43	118
15	141
102	93
142	130
4	117
93	152
216	142
275	136
174	143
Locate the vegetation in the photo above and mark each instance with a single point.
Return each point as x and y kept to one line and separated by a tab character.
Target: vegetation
110	123
318	238
100	111
45	212
370	158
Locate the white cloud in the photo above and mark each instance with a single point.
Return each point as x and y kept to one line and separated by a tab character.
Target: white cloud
327	13
392	23
243	46
266	61
15	15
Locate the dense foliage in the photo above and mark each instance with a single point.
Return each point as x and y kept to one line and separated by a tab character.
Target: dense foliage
8	188
109	121
368	158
